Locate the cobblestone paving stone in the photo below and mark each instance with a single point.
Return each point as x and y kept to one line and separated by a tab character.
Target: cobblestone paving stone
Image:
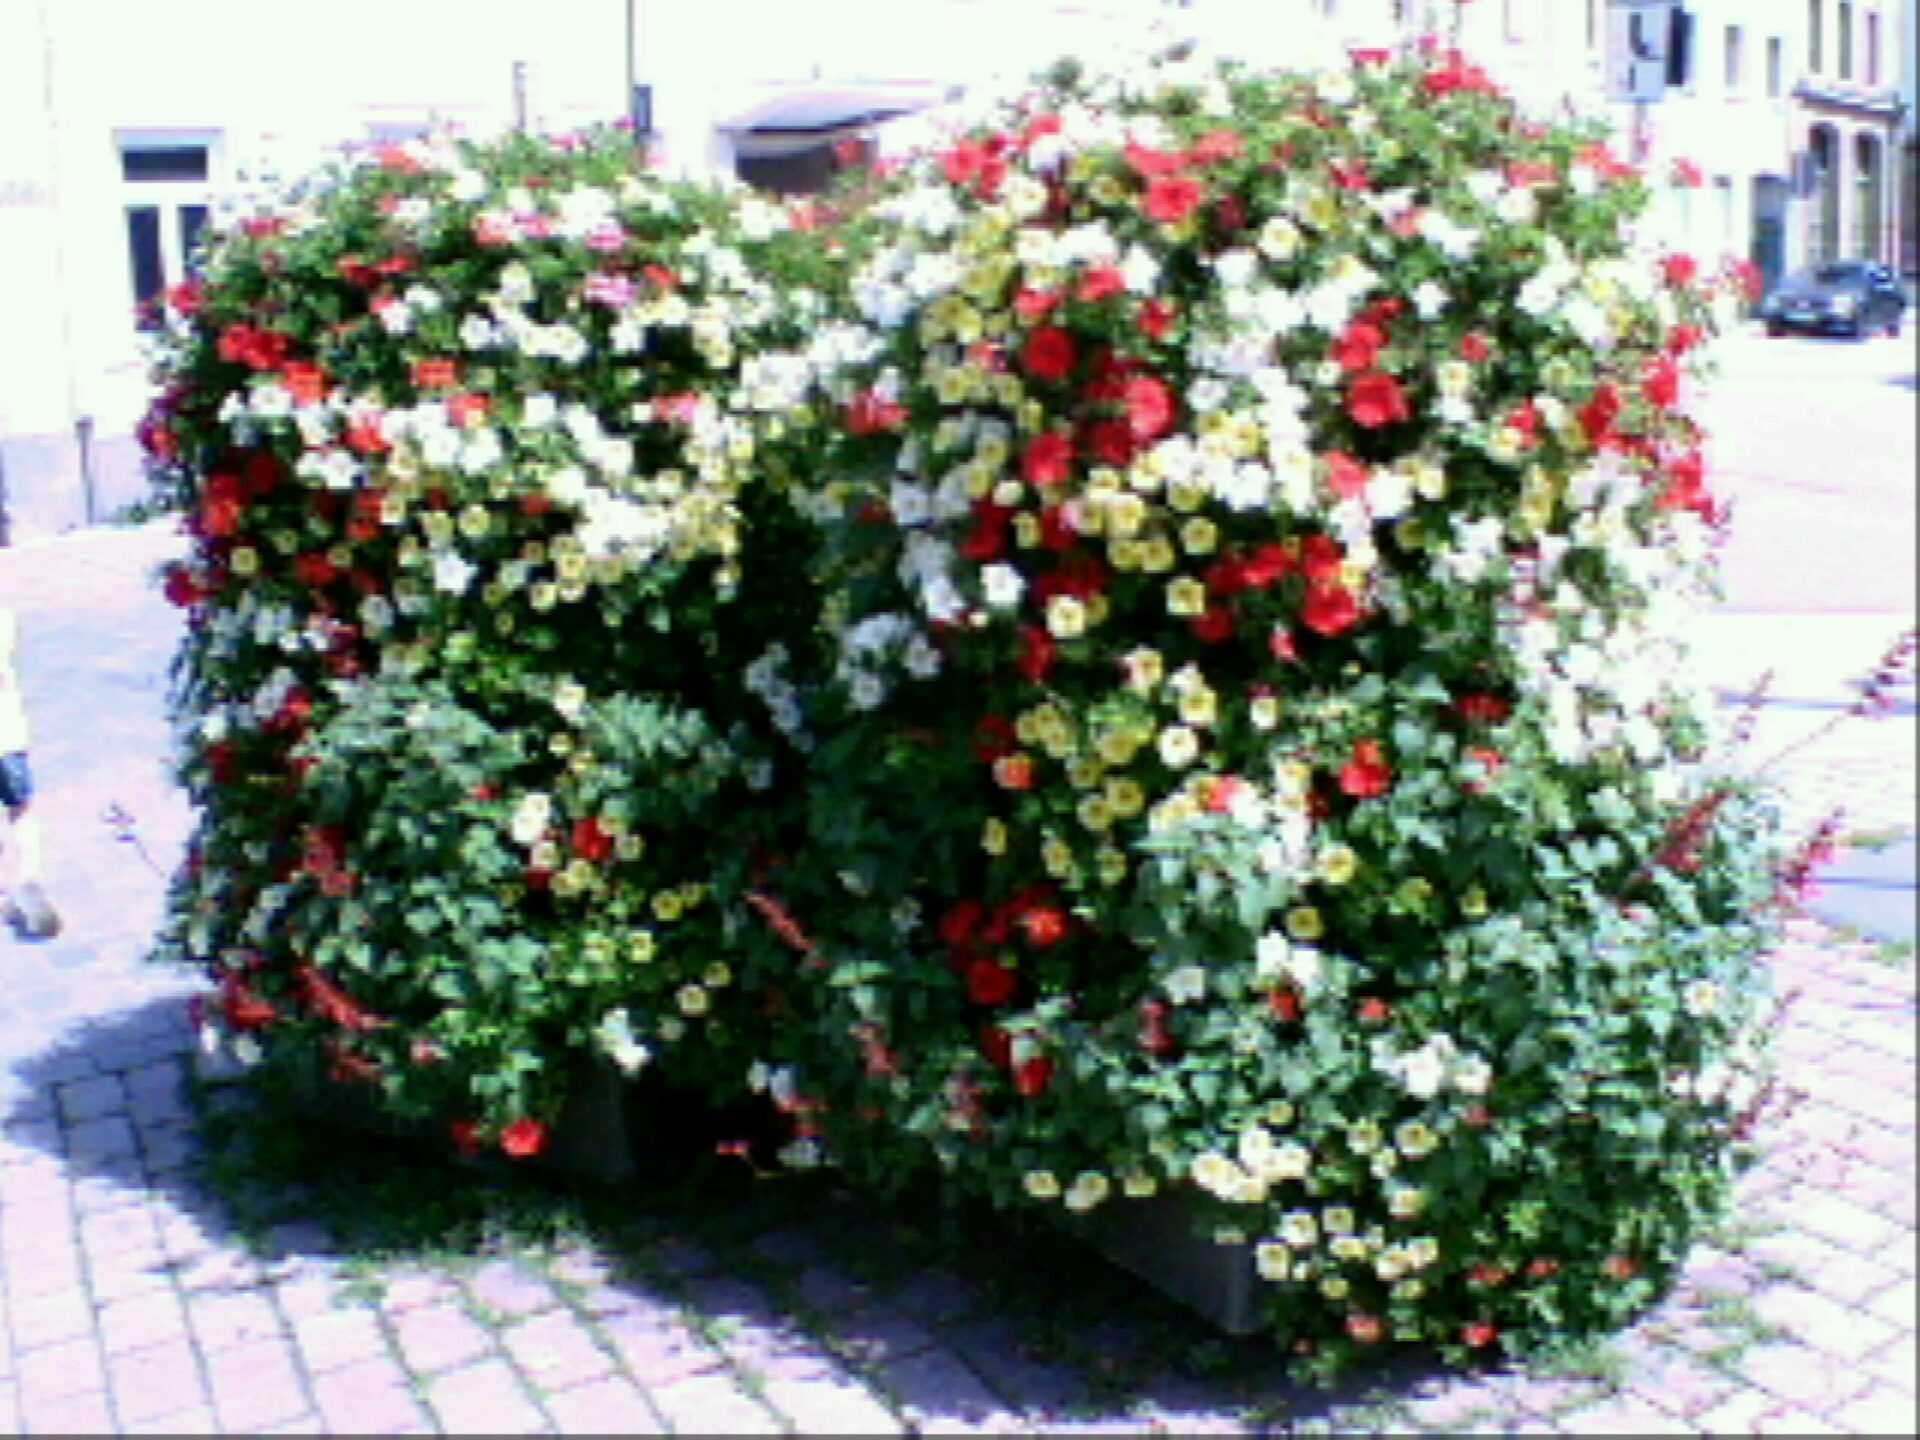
135	1297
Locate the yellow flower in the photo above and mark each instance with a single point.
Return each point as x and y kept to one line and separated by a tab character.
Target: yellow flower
1066	616
1200	536
1085	773
1117	748
667	905
1304	923
1026	528
1473	904
1056	856
1138	1185
1126	556
1273	1260
1144	669
1200	706
1186	597
1042	1184
1336	1287
993	836
1094	813
244	561
1156	555
1414	1139
1124	796
691	999
1338	864
1264	712
718	975
641	946
1113	867
1186	495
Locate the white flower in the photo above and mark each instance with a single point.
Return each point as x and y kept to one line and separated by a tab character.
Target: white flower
1003	585
452	573
1186	985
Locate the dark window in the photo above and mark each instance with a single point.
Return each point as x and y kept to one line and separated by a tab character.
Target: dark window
143	252
1816	59
1845	40
1873	49
164	163
193	223
1776	67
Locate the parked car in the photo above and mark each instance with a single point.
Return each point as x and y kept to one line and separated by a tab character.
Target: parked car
1855	298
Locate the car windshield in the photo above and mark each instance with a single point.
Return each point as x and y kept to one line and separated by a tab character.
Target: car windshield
1839	275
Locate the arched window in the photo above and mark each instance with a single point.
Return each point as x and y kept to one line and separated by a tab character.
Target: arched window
1869	197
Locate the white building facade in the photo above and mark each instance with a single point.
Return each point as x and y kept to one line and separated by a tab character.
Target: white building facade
122	123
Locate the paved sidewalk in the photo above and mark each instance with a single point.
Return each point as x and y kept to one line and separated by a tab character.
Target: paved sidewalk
138	1295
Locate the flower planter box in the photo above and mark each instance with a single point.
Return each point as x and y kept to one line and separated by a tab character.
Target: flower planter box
1164	1241
601	1135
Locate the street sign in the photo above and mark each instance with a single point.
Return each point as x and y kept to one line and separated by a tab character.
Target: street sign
1639	34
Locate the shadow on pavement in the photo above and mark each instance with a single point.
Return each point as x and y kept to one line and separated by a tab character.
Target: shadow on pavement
959	1315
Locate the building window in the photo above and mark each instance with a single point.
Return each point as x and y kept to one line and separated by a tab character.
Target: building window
1736	59
166	205
1816	36
1873	47
1844	40
1776	67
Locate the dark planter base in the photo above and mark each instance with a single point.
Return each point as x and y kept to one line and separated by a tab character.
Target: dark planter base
1163	1241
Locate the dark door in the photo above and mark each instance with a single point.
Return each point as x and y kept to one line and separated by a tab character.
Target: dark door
1768	250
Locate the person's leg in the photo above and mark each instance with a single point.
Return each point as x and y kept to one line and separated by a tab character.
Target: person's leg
36	916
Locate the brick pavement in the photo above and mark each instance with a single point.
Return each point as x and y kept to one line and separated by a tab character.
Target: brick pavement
136	1295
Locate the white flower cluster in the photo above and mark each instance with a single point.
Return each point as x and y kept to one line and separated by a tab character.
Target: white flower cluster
766	678
869	648
1437	1063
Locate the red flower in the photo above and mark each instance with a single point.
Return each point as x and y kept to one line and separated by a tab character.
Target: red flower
1374	1011
1172	198
1479	708
1100	282
1364	1328
466	1136
1598	415
991	983
1359	347
1032	1077
1330	609
1351	174
1285	1005
1686	487
1149	407
523	1139
435	374
316	570
1219	792
1687	175
1153	163
1269	564
1321	558
182	587
1045	925
1031	304
1346	476
591	842
305	382
1376	400
1155	319
1474	347
1490	763
1215	146
1680	270
957	926
1013	772
1051	353
870	413
1366	776
988	539
1215	626
997	1046
1479	1334
1037	653
1049	459
1112	442
1660	383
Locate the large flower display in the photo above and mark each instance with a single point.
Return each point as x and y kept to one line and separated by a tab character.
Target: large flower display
1148	658
1263	762
480	445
